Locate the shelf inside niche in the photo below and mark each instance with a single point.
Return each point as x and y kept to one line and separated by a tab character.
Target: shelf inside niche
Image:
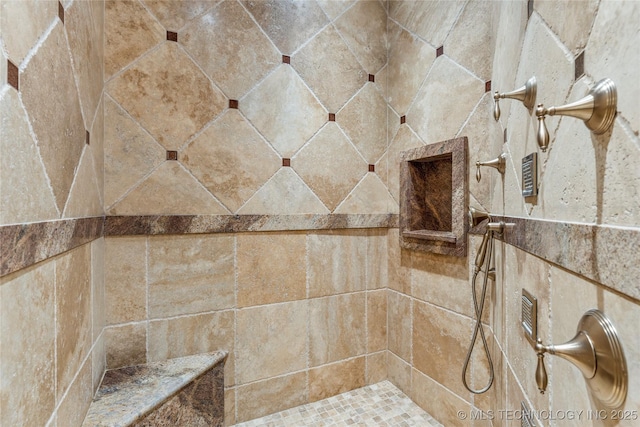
434	198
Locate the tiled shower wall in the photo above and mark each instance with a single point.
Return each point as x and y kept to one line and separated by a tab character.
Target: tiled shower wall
51	314
583	178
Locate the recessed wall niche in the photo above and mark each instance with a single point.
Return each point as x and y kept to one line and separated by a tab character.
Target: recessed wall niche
434	198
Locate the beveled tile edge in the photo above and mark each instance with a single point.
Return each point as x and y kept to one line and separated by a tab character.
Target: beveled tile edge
23	245
202	224
601	253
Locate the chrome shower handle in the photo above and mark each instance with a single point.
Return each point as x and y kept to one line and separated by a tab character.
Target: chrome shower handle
541	372
499	163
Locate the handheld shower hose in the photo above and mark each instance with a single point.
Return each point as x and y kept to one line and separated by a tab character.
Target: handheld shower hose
483	258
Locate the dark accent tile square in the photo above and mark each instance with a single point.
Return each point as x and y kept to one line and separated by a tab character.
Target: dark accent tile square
504	137
487	86
403	120
286	59
61	12
579	64
529	8
13	75
234	103
332	117
286	162
440	51
372	78
172	155
372	168
87	138
172	36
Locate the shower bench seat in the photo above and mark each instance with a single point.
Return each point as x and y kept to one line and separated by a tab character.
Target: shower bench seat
183	391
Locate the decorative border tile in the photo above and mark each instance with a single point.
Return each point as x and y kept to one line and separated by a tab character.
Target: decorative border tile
26	244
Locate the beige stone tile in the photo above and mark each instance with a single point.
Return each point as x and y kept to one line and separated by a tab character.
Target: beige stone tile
98	307
361	120
440	342
443	281
262	398
25	194
405	139
3	68
84	196
230	48
175	14
229	407
271	340
190	274
271	268
188	335
57	123
409	62
337	328
364	28
334	8
75	405
98	363
169	190
231	159
126	345
125	281
399	325
284	193
288	23
330	177
330	380
337	262
393	123
376	367
168	95
441	403
399	373
417	16
399	264
85	31
330	69
27	338
376	320
573	32
439	124
294	115
73	314
129	32
23	23
130	153
377	276
97	146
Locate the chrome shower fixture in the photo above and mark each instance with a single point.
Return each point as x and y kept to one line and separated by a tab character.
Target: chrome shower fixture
597	109
476	216
526	94
499	163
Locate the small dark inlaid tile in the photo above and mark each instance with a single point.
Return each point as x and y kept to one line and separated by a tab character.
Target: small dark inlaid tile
529	8
372	78
332	117
234	103
13	75
579	64
487	86
286	162
87	137
172	155
403	120
172	36
286	59
61	12
372	168
504	136
440	51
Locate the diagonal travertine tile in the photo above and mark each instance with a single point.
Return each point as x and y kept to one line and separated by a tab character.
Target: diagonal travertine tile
417	16
230	48
96	147
405	139
363	27
288	23
58	123
334	8
84	196
129	153
285	193
174	15
293	114
168	94
231	159
25	194
33	16
129	32
369	196
330	69
330	165
169	190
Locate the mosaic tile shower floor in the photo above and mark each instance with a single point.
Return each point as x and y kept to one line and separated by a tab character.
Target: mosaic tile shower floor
376	405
